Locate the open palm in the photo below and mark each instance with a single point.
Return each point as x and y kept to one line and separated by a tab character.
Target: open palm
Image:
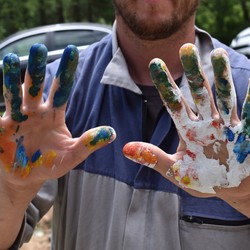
214	144
35	143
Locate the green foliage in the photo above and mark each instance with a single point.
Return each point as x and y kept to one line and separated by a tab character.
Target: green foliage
17	15
223	19
89	10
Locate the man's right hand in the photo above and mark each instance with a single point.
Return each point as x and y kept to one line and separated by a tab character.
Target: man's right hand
34	140
35	143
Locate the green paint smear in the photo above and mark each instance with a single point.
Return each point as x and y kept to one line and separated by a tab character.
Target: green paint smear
223	88
102	135
193	73
246	114
219	65
162	83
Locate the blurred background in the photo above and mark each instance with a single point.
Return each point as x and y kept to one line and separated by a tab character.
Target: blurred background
18	15
224	19
227	20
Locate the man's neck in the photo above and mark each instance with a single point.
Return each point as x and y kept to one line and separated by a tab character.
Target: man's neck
138	53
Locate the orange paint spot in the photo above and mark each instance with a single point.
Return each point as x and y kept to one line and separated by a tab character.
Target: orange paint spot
216	124
148	157
212	137
48	159
140	154
191	135
26	171
191	154
7	154
175	169
7	147
185	180
130	150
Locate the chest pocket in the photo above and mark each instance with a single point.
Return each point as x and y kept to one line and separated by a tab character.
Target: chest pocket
212	224
195	236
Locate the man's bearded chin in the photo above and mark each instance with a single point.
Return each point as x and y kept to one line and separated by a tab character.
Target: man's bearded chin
152	31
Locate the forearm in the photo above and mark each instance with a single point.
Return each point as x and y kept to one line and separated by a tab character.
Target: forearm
13	204
240	203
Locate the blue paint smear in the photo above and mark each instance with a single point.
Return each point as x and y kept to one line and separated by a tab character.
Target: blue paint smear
11	70
35	156
241	148
65	73
21	157
241	138
37	67
229	134
12	82
223	81
102	135
225	107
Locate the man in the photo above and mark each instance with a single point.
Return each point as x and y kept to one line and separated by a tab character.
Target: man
107	201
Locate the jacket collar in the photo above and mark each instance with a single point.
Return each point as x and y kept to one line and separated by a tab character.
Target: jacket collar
117	74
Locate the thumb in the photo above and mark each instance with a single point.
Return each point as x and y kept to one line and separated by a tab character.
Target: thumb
155	158
149	155
92	140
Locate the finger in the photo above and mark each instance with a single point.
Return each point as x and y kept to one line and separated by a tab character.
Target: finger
155	158
148	155
64	78
245	116
12	90
225	92
198	83
34	77
169	92
91	141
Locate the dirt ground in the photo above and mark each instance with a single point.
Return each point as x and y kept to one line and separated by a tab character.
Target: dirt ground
42	235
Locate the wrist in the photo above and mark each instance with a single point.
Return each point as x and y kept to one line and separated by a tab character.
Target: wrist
15	198
240	203
17	190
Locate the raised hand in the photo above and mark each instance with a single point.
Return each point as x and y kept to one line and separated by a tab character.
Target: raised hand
214	144
35	143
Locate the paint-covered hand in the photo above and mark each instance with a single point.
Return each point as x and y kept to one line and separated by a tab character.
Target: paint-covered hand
214	144
34	140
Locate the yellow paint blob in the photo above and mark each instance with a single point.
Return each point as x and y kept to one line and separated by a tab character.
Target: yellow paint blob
186	180
49	159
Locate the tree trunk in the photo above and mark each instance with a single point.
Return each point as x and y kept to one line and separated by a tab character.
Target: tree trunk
89	11
245	10
59	11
